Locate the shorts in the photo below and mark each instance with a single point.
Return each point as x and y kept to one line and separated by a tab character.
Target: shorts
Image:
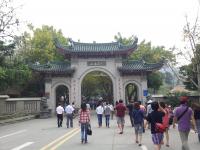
157	138
138	128
120	120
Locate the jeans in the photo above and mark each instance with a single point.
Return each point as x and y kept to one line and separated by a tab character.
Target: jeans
107	120
184	139
69	120
84	127
99	116
59	119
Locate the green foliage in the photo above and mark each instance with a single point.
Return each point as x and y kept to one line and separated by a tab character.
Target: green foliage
14	76
173	98
152	54
154	81
40	46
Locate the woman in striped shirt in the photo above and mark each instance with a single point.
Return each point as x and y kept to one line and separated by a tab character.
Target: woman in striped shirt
84	120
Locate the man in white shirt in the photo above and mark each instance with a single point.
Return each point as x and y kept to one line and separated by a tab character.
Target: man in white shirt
59	111
99	111
69	113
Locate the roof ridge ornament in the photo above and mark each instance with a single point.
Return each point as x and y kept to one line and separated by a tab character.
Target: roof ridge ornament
71	42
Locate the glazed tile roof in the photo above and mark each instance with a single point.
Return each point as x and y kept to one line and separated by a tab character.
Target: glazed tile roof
53	68
129	67
96	49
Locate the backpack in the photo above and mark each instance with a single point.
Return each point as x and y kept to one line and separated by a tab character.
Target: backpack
107	110
137	116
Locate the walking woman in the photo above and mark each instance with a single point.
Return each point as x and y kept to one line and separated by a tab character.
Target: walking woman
84	120
166	122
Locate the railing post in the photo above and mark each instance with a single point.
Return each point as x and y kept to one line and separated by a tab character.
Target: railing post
2	103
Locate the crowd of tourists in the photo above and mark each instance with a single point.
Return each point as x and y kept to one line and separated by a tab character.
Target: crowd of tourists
156	116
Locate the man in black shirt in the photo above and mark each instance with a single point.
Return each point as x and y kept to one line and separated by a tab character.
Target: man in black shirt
130	110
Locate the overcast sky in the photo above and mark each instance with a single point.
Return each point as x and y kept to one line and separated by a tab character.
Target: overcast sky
158	21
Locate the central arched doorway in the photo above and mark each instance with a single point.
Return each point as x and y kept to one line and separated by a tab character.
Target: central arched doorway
96	86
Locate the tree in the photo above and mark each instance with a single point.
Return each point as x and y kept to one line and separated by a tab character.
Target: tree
39	46
152	54
191	72
188	73
8	19
8	25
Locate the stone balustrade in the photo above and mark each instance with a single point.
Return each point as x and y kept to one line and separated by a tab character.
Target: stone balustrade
9	106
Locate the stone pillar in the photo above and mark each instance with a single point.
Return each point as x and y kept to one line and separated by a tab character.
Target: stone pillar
2	103
75	92
49	95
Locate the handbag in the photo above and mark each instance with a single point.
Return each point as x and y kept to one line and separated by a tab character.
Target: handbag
159	127
89	130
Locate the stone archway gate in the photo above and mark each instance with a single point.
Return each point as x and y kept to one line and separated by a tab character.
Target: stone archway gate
83	58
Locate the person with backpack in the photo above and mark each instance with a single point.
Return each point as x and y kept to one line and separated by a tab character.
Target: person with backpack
107	111
183	116
155	119
138	119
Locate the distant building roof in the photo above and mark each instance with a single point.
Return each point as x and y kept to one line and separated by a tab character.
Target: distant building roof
129	67
87	50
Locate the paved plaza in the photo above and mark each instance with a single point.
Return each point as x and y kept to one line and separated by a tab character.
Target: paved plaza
43	134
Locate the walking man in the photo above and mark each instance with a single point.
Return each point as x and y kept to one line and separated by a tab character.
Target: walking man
130	110
182	115
59	111
99	111
69	114
107	111
121	109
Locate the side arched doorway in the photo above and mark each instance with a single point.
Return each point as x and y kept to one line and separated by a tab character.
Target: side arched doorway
96	86
62	95
131	92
